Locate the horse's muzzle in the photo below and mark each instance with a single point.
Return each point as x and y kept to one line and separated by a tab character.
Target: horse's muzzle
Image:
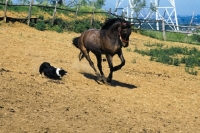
125	43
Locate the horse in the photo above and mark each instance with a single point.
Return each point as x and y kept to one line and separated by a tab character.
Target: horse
109	40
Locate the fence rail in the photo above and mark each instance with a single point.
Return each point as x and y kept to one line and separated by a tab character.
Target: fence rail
139	22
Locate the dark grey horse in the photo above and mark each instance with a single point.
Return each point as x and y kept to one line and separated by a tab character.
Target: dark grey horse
109	41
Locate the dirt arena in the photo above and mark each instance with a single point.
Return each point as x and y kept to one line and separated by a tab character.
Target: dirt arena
144	96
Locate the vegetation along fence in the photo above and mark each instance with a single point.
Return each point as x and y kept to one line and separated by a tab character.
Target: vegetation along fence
139	23
54	8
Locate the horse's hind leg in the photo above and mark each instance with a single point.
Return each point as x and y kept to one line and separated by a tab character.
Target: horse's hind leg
81	56
86	55
99	61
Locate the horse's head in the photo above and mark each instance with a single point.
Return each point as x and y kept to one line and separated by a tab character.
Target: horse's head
120	27
125	32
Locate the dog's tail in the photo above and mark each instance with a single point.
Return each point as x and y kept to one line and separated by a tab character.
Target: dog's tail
75	41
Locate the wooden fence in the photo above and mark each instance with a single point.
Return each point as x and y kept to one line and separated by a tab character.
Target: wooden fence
139	22
54	8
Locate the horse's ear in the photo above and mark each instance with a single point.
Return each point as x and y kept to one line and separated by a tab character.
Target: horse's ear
124	24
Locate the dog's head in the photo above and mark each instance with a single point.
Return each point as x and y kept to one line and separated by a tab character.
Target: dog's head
60	72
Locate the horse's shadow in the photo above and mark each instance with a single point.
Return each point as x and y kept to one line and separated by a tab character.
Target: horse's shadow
113	82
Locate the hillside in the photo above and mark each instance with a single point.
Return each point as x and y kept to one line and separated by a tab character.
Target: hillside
144	96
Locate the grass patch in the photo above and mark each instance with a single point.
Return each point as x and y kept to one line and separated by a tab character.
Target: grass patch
172	36
174	56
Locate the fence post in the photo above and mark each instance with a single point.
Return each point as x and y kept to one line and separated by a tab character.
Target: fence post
5	10
92	19
140	24
109	13
29	13
163	29
77	9
53	17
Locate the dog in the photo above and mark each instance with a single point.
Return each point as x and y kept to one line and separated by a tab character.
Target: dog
51	72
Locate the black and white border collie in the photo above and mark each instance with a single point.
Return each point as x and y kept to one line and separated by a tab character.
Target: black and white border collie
51	72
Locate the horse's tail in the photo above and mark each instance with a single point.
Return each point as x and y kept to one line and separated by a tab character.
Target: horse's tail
75	41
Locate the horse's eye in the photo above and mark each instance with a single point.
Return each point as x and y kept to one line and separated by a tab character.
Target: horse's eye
124	32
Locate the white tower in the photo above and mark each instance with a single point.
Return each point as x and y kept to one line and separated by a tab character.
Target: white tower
163	10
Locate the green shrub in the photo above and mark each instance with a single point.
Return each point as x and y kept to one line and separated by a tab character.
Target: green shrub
32	24
41	17
176	62
79	26
1	7
167	55
183	60
40	25
18	8
56	28
190	61
60	22
196	38
165	59
191	71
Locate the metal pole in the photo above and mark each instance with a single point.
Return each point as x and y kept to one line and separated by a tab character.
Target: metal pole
163	29
157	23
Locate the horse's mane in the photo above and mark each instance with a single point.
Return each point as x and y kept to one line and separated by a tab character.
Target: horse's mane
110	22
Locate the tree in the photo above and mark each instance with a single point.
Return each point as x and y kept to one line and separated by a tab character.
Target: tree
153	7
97	3
138	5
100	3
24	1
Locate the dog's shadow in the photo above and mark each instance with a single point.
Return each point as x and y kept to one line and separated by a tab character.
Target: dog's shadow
113	82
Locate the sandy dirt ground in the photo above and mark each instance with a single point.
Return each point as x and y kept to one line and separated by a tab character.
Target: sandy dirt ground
144	96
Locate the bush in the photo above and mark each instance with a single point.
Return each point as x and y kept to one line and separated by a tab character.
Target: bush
196	38
57	29
79	26
191	57
41	17
191	71
165	59
60	25
60	22
176	62
190	61
40	25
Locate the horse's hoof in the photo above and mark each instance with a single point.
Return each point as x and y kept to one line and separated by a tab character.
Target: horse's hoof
107	83
109	80
102	79
99	78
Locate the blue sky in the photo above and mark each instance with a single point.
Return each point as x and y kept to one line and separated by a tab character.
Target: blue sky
183	7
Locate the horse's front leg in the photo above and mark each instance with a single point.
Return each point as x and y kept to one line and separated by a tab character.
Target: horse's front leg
110	63
112	69
120	54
